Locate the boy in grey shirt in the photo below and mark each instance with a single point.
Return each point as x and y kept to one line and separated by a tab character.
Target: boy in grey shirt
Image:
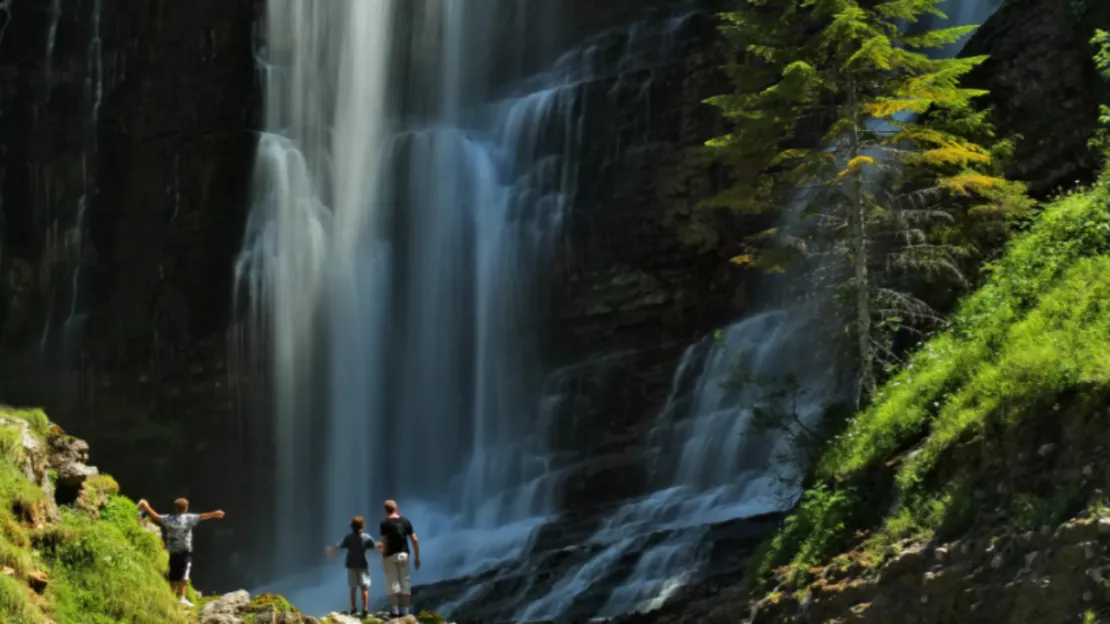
358	569
177	531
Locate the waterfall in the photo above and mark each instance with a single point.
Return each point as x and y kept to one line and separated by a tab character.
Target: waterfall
961	13
712	462
407	199
418	163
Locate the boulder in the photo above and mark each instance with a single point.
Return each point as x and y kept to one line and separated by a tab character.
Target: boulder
67	455
227	609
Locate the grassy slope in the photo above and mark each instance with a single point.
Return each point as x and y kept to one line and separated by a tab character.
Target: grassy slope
98	570
1037	330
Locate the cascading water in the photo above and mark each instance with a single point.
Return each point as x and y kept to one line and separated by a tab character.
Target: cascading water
408	193
712	462
392	264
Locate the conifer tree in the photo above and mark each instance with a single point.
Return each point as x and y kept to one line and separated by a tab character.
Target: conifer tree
898	163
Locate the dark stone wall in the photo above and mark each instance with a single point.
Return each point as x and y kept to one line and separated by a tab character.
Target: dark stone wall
124	176
1044	86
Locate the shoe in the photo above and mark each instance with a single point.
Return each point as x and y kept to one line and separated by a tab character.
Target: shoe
185	601
364	614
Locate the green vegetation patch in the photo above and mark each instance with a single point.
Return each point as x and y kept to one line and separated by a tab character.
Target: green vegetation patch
270	603
108	570
994	331
1037	330
36	418
430	617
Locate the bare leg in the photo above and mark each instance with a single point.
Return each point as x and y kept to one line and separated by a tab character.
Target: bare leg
178	588
406	599
352	599
365	599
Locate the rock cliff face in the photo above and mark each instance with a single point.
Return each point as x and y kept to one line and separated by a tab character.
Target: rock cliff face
1044	86
124	173
643	271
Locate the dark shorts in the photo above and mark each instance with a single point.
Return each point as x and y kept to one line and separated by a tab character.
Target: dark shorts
180	565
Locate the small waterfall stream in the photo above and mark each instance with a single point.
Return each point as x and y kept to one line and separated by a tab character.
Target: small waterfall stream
712	463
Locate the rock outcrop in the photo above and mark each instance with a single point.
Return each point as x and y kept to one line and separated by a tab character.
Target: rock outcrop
1043	86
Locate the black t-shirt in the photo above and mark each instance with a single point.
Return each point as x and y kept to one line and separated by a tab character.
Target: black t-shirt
395	532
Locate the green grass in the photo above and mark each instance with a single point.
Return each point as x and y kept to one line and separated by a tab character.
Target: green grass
1038	329
16	605
107	570
20	502
945	379
40	424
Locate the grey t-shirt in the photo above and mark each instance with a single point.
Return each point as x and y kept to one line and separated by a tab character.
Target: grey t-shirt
177	530
357	544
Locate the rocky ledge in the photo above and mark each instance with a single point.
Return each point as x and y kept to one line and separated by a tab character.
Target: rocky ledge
240	608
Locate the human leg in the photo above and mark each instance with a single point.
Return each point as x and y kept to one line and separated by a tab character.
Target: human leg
181	564
393	583
405	582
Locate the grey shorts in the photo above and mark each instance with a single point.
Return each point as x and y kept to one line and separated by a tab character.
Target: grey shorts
358	578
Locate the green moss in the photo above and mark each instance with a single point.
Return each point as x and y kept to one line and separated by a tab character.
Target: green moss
102	483
270	603
430	617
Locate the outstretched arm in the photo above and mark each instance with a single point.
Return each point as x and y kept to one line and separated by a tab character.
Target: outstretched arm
145	506
212	515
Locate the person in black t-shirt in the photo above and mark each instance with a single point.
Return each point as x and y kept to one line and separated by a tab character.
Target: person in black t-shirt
396	531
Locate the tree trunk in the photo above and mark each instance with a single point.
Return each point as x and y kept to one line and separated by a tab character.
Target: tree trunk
858	220
863	295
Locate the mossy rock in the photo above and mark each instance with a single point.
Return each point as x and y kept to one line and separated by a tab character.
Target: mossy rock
430	617
270	603
95	493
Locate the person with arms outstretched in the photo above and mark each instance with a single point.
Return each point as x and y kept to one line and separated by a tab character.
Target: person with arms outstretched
177	531
358	569
396	532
